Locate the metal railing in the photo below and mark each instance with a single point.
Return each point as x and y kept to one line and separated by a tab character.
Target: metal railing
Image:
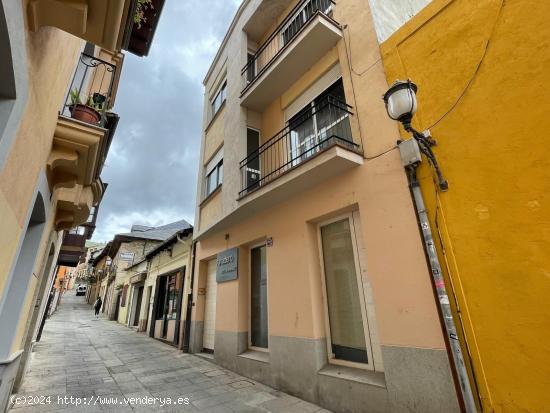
92	86
316	128
304	12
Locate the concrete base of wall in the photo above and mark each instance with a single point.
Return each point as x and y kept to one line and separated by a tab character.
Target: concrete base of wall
195	342
415	380
8	373
419	380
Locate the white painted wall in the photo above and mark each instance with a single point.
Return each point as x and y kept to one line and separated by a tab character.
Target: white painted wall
390	15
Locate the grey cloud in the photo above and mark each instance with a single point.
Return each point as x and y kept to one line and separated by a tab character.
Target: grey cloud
152	165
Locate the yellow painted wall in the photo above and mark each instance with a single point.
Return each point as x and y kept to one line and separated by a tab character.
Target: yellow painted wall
163	264
493	148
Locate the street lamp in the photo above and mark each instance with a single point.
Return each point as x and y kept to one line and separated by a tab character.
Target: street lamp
400	100
401	105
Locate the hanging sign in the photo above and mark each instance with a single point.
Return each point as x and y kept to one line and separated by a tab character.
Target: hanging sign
226	265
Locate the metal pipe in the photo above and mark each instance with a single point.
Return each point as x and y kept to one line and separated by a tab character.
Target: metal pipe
189	309
443	298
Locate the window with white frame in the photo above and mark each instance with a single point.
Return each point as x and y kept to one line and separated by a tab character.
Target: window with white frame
219	98
77	231
214	173
349	338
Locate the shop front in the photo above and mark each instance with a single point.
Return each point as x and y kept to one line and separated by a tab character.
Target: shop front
167	307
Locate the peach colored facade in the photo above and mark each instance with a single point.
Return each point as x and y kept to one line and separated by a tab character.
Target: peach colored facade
360	181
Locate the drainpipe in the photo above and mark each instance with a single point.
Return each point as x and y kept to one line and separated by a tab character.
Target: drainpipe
187	336
411	158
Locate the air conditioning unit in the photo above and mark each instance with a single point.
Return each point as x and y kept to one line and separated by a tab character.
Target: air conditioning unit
252	178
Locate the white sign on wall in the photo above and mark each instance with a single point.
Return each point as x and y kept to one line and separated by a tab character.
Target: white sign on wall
127	256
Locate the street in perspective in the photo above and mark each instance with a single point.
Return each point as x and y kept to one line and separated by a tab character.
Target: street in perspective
274	206
106	367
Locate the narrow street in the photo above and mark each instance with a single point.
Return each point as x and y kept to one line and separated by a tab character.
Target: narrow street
104	365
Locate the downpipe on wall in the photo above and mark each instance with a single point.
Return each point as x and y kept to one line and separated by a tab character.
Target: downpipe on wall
411	164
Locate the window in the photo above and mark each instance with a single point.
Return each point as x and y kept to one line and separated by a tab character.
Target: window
214	173
91	216
219	98
312	128
258	298
77	231
172	292
347	324
253	158
251	68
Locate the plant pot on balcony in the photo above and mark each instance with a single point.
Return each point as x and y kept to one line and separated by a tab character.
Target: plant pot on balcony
85	113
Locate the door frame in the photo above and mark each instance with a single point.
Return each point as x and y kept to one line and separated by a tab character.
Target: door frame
207	262
373	356
249	342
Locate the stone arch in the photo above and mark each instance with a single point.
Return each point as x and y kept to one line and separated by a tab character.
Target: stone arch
19	279
40	298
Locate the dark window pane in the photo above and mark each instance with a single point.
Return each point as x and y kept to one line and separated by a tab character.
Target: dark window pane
258	288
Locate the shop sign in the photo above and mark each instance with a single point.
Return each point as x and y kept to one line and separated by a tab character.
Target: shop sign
127	256
226	265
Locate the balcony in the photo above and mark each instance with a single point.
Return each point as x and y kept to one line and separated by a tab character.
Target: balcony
302	39
73	247
91	93
81	141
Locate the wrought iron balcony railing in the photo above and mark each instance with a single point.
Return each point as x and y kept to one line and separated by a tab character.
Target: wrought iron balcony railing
91	91
304	12
318	127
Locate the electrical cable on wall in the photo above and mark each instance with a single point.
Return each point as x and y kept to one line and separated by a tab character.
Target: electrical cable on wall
476	71
352	70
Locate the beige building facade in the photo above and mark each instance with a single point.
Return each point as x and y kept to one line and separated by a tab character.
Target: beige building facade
310	275
159	289
51	160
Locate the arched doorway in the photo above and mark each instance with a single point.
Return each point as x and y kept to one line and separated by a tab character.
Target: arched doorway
16	289
40	299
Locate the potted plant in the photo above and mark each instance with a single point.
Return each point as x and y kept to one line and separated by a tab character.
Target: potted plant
86	112
139	15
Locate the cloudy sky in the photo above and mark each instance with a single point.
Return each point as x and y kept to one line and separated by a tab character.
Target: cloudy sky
152	164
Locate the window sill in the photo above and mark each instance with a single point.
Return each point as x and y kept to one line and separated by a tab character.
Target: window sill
211	122
261	356
211	195
356	375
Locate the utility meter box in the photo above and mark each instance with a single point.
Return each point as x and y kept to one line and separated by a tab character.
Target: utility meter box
410	152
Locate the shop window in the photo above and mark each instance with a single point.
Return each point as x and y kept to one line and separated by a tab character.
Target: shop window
258	298
348	334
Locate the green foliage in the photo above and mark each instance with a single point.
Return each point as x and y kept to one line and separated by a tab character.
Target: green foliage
139	16
94	101
75	97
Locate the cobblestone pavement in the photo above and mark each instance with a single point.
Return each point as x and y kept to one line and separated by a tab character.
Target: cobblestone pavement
101	363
